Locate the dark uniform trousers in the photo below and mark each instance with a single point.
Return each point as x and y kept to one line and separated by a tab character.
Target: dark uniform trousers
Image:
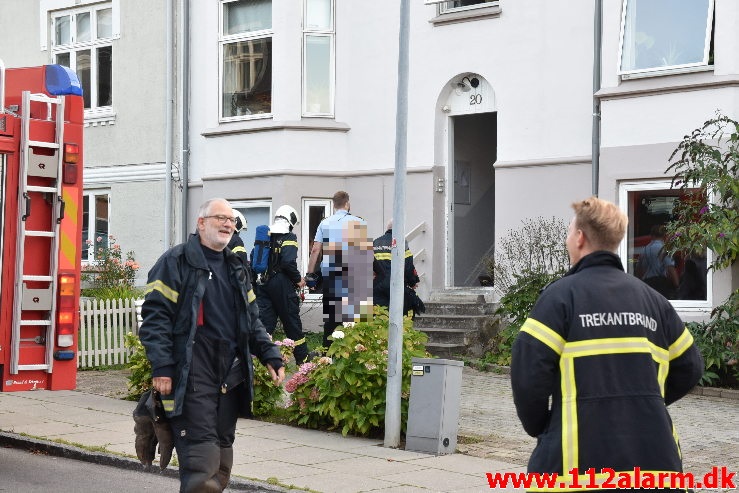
277	298
204	433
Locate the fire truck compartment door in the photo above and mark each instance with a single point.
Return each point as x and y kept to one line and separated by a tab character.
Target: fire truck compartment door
43	165
36	299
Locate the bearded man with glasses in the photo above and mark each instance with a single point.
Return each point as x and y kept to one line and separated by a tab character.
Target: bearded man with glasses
200	327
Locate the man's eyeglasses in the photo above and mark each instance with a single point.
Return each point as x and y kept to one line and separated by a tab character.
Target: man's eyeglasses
223	219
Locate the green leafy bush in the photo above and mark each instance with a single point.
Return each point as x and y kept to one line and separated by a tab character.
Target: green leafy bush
719	344
706	166
346	388
526	260
140	379
267	395
110	276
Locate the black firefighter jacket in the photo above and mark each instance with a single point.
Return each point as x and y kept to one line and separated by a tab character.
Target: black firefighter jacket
381	266
174	291
612	353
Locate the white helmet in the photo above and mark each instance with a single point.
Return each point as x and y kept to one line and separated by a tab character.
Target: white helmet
285	218
240	221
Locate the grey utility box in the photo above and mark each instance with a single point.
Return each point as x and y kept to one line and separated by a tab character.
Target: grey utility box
433	410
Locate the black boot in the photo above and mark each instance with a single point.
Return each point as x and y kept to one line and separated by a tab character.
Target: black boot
199	468
224	470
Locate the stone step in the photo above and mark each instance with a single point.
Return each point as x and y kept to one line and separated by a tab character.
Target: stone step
447	351
450	336
468	322
449	308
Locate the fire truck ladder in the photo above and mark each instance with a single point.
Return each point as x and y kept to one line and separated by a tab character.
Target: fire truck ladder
49	169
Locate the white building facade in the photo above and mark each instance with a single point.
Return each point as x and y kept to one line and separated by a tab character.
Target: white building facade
288	101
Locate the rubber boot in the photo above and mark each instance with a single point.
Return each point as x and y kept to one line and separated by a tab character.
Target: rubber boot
224	470
199	468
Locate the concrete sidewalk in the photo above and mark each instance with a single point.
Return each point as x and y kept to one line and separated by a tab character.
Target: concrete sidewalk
328	462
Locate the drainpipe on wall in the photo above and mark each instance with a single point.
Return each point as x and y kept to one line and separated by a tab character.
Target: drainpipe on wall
169	126
597	62
184	73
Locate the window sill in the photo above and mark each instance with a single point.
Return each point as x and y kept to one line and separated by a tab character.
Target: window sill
315	124
466	15
100	116
669	71
666	85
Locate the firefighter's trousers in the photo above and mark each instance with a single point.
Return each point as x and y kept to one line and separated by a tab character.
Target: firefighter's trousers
205	432
277	298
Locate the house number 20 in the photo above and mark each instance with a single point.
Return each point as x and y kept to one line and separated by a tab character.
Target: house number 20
475	99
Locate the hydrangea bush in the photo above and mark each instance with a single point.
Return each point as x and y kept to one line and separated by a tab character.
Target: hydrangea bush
110	276
345	389
267	395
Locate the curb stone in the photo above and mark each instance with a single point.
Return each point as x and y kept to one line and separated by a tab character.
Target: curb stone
106	459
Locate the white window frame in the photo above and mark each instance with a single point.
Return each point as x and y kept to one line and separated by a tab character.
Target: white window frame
89	196
668	69
225	39
252	204
623	198
329	33
306	239
94	112
442	7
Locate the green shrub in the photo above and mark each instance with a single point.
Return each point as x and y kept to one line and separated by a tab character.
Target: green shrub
718	342
526	260
346	389
706	166
110	276
140	379
267	395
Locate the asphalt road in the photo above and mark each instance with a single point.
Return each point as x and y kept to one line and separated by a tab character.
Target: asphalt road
33	472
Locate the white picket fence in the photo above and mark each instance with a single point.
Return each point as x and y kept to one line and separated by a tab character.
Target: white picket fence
103	326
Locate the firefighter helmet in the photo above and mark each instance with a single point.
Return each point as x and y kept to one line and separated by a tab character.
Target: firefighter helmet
285	218
241	223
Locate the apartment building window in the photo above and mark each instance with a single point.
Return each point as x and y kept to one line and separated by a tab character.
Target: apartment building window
682	277
256	213
95	220
659	35
246	55
318	58
457	5
82	40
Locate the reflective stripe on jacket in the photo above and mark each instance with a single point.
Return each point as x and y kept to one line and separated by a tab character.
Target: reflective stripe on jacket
612	353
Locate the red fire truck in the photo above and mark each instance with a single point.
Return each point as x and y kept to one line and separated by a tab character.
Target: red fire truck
41	121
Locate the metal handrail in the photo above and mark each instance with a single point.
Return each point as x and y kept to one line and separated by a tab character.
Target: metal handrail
421	228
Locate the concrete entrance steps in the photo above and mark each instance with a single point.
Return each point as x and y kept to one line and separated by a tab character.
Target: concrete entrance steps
459	322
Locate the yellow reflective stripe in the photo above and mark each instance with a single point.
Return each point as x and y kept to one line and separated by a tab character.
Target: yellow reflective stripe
250	296
408	254
544	334
239	249
681	345
594	347
166	291
383	256
289	243
299	342
569	413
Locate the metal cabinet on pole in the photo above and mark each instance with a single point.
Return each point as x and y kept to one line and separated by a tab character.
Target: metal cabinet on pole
433	410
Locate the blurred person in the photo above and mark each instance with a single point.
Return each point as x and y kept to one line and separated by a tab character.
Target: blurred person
329	242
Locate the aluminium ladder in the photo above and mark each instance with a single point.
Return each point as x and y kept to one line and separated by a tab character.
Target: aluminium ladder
36	307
